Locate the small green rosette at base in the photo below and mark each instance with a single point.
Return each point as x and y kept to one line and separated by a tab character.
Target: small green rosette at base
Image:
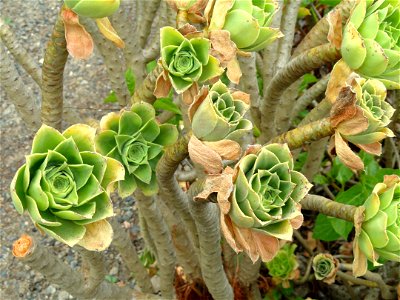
371	41
135	139
325	267
378	235
93	8
283	267
64	186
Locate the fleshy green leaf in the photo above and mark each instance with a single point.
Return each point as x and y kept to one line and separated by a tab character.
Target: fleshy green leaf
47	138
83	136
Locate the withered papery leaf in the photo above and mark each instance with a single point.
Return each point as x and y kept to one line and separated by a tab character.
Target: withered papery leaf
241	96
109	32
233	71
346	155
374	148
339	75
344	108
227	149
206	157
98	236
79	41
163	85
189	95
334	19
198	99
353	124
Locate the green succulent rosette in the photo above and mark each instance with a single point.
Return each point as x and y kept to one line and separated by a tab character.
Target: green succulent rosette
136	140
371	41
186	60
267	191
247	21
64	185
325	267
284	265
219	115
93	8
371	95
378	236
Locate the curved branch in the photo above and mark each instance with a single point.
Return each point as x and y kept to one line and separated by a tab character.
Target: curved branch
316	151
19	53
145	91
206	216
55	58
302	64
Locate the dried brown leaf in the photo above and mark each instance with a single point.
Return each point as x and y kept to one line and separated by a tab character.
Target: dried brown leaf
206	157
106	28
239	95
344	108
339	75
353	124
198	99
335	28
163	85
98	236
227	149
79	41
223	48
233	71
346	155
189	95
374	148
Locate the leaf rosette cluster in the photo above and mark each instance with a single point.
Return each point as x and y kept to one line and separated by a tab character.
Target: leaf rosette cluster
283	267
135	139
186	61
361	117
378	235
247	21
64	186
264	205
93	8
325	267
371	41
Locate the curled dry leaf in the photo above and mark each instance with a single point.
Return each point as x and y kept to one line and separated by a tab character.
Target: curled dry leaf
109	32
189	95
217	21
163	85
187	29
242	96
198	99
339	75
210	160
345	154
79	41
227	149
344	107
233	71
335	28
98	236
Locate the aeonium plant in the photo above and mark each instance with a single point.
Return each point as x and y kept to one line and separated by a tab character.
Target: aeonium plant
186	61
371	41
325	267
64	187
378	235
259	200
361	119
135	139
218	122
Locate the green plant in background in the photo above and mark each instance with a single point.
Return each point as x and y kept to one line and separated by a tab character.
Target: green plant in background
220	115
247	22
136	140
371	41
325	267
378	235
186	60
64	185
283	267
93	8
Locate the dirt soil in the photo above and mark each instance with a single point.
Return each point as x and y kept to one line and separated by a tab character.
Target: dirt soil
85	86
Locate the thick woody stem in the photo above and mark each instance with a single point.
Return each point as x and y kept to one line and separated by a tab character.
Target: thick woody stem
20	95
311	94
299	136
355	280
20	54
122	242
288	26
206	216
316	151
181	18
304	63
171	192
144	230
42	260
145	92
55	58
248	275
112	59
318	34
329	207
249	84
162	239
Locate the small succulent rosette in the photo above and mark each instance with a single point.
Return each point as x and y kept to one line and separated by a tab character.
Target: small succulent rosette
247	21
218	122
325	267
259	200
284	266
185	61
361	118
79	41
135	139
371	41
64	187
378	233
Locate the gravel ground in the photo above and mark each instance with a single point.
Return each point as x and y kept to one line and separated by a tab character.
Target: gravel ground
85	86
